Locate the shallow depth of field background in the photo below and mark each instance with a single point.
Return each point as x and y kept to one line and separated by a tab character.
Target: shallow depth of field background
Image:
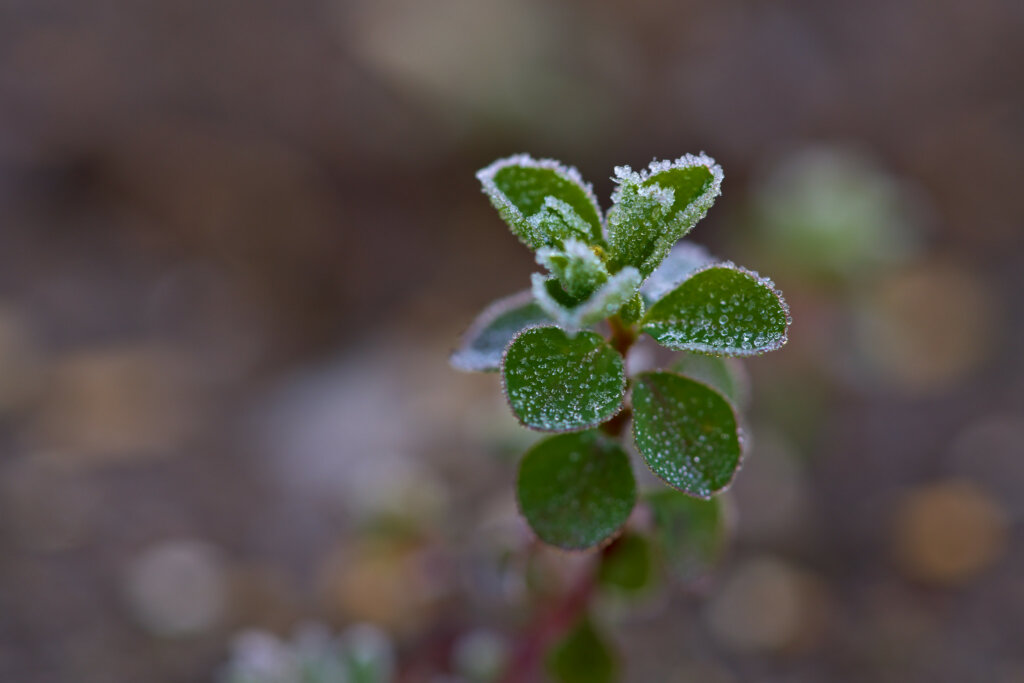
238	241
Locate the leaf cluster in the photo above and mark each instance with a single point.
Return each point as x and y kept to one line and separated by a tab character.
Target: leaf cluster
561	347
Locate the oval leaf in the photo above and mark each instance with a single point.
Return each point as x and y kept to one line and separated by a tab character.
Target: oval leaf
556	382
686	432
486	339
626	564
721	309
689	533
582	656
652	209
576	490
519	188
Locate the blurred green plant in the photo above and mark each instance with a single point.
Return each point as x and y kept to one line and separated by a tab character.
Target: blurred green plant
561	349
833	213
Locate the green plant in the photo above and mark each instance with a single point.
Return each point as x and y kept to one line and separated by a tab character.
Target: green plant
562	350
561	347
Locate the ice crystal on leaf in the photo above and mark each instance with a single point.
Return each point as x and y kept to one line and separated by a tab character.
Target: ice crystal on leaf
521	189
561	348
653	209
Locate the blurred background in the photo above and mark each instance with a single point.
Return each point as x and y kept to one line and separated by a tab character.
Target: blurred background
239	240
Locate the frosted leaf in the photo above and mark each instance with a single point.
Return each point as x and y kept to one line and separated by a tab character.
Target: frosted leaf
521	187
682	260
603	303
557	383
557	222
689	533
725	375
486	339
576	490
579	270
720	309
633	310
654	208
686	432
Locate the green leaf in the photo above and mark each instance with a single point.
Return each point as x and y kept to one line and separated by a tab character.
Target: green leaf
633	310
722	309
725	375
689	533
686	432
486	339
576	490
556	382
520	187
582	656
574	313
626	564
579	270
653	209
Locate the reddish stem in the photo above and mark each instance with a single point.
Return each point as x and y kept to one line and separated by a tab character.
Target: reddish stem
546	628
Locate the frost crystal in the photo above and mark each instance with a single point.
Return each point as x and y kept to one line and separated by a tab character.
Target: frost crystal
540	198
603	303
557	221
652	209
720	309
577	267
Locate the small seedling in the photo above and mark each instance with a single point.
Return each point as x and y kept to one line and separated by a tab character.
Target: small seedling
561	347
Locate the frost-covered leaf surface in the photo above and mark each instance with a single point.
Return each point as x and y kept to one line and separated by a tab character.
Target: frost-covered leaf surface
582	656
626	564
542	201
578	269
689	533
560	382
486	339
682	260
576	490
633	310
720	309
686	432
603	303
653	209
723	374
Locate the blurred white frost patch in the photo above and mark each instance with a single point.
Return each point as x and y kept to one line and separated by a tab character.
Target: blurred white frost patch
352	433
362	653
178	588
480	655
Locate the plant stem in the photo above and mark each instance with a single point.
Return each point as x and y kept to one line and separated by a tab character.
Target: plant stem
546	628
622	338
623	335
614	426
